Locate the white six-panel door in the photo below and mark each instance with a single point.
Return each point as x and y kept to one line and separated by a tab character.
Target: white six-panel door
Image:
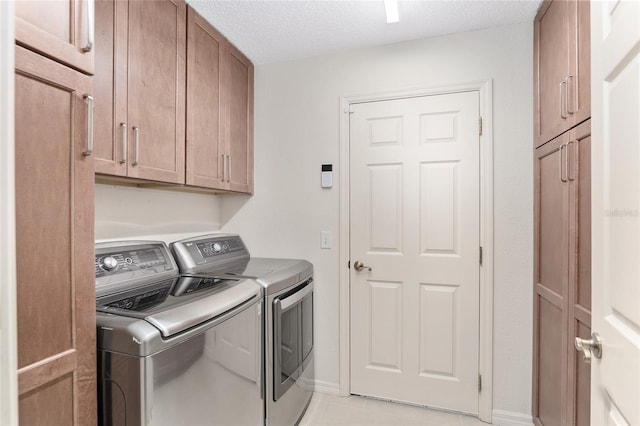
414	208
615	378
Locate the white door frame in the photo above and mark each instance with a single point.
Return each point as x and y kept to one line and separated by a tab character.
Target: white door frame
485	367
8	340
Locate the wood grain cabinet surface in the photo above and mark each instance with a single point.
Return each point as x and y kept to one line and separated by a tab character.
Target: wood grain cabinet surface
140	89
219	111
60	29
54	244
562	75
174	99
562	278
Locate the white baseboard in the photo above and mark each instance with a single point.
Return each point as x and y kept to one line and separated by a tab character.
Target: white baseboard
326	387
508	418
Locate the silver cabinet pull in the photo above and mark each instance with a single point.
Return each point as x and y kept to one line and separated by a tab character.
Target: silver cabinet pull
589	347
359	266
136	141
87	97
123	127
562	163
568	163
91	27
563	97
570	89
229	175
224	167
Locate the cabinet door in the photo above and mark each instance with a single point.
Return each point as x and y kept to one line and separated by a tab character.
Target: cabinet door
205	149
579	83
551	68
54	244
60	29
579	152
551	282
238	120
110	86
156	90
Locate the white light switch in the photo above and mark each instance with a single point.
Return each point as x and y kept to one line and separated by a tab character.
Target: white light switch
325	239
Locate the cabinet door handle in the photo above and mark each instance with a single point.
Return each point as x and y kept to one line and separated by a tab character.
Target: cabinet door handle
91	27
562	163
563	94
568	162
136	141
570	99
224	167
123	127
229	175
87	97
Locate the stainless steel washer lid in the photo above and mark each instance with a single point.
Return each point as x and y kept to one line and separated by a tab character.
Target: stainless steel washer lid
200	310
175	314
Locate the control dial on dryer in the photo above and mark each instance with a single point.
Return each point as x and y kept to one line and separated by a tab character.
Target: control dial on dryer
109	263
217	248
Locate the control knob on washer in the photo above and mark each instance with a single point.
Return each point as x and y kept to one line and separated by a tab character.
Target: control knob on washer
109	263
217	248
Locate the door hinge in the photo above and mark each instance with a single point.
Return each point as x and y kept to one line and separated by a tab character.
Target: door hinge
479	383
480	255
349	110
480	126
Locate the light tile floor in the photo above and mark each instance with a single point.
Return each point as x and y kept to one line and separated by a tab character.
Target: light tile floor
331	410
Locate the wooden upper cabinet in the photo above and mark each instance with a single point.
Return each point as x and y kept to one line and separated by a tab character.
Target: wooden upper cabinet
140	89
219	111
60	29
110	87
54	230
561	67
205	142
238	119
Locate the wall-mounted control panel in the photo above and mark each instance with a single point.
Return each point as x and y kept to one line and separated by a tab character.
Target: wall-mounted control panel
326	176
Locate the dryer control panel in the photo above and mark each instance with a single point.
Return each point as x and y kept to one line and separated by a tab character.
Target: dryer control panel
210	253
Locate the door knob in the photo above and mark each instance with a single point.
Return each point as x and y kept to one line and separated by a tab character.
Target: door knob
359	266
589	347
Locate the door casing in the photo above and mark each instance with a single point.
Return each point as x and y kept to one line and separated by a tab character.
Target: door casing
485	367
8	303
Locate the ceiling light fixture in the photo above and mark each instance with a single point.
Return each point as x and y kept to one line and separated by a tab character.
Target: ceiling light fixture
391	9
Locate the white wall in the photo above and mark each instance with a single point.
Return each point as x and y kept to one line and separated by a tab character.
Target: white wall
125	212
297	129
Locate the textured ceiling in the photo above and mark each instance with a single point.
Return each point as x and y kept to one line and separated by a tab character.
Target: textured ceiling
278	30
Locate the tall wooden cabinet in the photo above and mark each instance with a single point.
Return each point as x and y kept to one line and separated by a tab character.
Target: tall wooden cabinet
562	225
54	239
219	110
140	89
562	300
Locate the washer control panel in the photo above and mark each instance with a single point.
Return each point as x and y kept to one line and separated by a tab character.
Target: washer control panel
131	260
119	265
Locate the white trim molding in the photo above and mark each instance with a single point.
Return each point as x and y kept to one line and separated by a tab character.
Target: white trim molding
508	418
485	367
326	387
8	338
